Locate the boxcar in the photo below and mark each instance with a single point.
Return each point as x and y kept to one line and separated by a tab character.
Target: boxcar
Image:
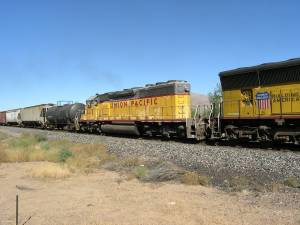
13	117
34	115
2	118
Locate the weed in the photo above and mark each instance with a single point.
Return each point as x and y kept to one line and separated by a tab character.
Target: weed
193	178
239	183
140	172
27	140
44	145
275	187
293	182
164	171
64	154
40	137
3	155
49	171
130	162
3	136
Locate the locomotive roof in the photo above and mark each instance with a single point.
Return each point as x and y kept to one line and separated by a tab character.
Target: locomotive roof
147	90
266	74
264	66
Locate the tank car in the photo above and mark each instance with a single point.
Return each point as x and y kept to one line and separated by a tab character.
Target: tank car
65	116
13	117
261	103
158	109
34	116
2	118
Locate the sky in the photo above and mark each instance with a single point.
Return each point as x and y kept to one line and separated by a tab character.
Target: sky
54	50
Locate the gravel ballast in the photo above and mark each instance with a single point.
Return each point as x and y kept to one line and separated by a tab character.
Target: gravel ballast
220	163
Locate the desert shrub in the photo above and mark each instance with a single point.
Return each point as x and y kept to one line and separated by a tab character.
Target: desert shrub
3	136
293	182
44	145
140	172
129	162
36	155
64	154
193	178
40	137
49	171
3	155
275	186
88	157
61	144
164	171
26	140
239	183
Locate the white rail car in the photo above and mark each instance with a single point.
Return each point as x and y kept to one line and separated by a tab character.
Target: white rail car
13	117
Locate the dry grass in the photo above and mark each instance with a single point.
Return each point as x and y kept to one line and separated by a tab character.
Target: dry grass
3	136
193	178
31	147
52	170
164	171
239	183
276	187
293	182
87	158
126	164
140	172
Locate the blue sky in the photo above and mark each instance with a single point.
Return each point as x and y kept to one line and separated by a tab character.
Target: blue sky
71	49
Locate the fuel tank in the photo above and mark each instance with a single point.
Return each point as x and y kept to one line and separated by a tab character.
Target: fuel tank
120	129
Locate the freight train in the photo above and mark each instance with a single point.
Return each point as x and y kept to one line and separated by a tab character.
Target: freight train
259	104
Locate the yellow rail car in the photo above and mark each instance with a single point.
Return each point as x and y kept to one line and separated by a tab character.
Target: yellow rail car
162	108
278	101
159	108
262	102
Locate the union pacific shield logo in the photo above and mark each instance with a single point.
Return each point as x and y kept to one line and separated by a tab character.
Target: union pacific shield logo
263	100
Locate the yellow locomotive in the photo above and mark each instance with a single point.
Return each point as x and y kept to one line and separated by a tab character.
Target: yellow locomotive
157	109
262	103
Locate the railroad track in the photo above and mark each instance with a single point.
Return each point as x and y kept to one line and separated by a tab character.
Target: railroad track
220	163
225	143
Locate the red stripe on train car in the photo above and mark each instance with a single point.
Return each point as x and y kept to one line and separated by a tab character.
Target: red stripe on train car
263	117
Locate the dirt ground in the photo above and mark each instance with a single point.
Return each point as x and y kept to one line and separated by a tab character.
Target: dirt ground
109	198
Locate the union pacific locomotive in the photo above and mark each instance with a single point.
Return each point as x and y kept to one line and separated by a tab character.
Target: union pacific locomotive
158	109
260	104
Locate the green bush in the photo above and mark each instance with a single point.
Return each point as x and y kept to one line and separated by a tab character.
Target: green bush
24	141
140	172
194	178
3	136
293	182
64	154
27	140
40	137
45	145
